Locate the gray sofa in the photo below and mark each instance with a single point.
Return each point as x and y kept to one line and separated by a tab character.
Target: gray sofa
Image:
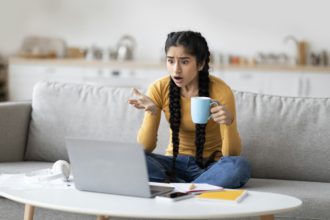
286	140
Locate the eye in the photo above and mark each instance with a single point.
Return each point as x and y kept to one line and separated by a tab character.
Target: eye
185	61
170	61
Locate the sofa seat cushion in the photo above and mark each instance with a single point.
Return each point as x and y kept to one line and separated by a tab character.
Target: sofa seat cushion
23	167
315	196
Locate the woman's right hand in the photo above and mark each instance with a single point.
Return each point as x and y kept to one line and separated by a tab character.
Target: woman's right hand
143	102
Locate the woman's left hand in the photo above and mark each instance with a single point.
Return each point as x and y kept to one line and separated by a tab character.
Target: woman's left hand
221	115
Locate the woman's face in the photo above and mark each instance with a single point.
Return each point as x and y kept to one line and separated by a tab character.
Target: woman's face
182	66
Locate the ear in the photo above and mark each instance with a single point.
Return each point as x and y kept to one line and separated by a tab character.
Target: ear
201	66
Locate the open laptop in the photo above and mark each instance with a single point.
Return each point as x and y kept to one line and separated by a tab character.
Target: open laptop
109	167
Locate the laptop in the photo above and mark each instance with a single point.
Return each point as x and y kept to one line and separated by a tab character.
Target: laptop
109	167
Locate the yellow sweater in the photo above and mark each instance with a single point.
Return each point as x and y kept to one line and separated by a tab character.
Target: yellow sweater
224	138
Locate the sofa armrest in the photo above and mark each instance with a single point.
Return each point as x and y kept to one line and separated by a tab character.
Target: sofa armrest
14	122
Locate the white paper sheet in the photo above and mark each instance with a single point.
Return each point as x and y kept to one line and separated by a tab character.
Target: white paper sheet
194	187
32	181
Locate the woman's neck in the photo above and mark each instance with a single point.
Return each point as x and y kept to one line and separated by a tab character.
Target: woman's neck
190	90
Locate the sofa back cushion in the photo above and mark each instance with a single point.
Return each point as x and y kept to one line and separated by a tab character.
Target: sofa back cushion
285	137
62	110
282	137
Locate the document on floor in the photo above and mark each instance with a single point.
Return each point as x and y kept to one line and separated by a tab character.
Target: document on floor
195	187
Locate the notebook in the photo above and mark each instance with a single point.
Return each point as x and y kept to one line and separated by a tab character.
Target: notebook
228	195
109	167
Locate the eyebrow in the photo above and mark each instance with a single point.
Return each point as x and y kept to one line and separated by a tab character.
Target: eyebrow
181	58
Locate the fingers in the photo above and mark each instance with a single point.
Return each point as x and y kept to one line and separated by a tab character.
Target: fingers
221	115
135	103
218	108
132	101
224	119
136	92
138	107
215	103
143	102
142	99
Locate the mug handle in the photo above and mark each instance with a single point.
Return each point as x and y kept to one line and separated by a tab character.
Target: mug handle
214	102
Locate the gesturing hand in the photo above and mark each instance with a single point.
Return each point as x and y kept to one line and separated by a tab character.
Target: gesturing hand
143	102
221	115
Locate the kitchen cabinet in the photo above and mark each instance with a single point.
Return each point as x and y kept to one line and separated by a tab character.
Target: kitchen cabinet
23	77
137	78
315	85
284	83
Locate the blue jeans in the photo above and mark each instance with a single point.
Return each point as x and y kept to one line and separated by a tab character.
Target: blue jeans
228	172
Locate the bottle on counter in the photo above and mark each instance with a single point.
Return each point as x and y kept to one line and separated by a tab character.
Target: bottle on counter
324	59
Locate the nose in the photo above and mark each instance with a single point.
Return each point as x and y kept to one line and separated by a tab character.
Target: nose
177	67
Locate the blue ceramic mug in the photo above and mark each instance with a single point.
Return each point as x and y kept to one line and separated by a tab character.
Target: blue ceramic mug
200	109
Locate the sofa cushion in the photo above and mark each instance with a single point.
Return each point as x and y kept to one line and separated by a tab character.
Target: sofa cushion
315	196
14	122
62	110
285	137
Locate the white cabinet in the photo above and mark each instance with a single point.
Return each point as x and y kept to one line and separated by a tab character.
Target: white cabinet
284	83
316	85
138	78
244	81
23	77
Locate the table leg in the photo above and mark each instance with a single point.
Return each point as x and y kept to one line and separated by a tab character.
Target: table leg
28	212
267	217
102	217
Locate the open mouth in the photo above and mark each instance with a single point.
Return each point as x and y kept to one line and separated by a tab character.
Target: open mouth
178	78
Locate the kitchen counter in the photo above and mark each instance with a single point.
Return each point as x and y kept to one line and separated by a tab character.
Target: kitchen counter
88	63
158	65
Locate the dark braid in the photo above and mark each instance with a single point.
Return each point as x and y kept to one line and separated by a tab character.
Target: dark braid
195	44
203	82
175	120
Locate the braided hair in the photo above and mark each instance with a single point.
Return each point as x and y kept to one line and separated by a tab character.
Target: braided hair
196	45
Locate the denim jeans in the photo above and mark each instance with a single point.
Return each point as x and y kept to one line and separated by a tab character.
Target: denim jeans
228	172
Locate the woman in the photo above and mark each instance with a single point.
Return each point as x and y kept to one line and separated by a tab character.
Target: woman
196	153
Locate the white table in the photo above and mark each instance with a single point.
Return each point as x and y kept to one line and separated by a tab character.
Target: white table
260	204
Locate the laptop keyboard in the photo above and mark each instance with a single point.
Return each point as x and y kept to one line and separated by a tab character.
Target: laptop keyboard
154	189
159	189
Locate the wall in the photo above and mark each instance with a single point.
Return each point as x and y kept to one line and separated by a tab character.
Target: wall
244	27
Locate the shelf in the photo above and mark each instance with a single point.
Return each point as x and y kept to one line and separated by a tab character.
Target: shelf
155	65
275	68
